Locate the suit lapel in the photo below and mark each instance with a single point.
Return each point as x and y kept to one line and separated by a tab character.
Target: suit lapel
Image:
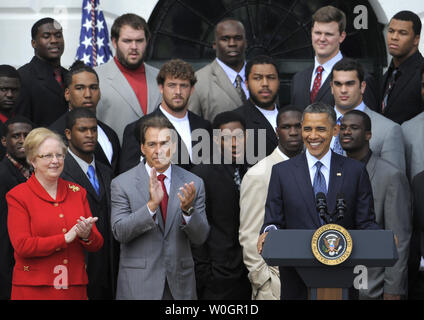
262	123
303	181
173	201
221	80
372	166
152	95
336	179
324	89
120	84
47	79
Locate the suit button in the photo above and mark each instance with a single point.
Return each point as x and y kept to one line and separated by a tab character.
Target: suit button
55	204
64	230
26	268
58	249
61	215
65	261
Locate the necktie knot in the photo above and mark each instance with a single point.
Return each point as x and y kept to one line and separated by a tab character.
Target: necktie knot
90	171
161	177
239	88
320	69
318	165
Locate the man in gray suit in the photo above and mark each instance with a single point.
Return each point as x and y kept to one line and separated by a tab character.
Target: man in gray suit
158	212
348	86
128	85
392	204
221	84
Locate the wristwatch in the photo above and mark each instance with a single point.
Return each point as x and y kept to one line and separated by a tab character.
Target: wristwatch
189	212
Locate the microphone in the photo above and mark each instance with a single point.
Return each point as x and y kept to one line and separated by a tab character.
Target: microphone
340	206
321	205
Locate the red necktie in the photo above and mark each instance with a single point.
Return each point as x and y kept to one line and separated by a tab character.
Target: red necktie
164	202
58	77
317	83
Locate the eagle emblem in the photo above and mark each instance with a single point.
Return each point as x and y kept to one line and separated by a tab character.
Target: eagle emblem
332	244
73	187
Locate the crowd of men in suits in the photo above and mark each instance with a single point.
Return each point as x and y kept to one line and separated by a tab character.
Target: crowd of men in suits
193	227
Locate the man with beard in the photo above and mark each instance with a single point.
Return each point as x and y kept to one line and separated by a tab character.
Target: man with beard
82	91
220	271
260	112
82	167
41	99
401	95
176	81
392	205
220	84
10	86
14	170
127	83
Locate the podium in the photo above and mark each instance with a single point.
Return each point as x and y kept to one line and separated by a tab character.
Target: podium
292	248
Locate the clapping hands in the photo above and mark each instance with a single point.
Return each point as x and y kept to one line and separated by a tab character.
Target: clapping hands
81	229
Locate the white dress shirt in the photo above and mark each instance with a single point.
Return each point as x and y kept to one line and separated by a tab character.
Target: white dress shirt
328	66
231	74
270	115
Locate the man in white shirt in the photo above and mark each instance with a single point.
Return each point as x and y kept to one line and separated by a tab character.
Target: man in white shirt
312	84
221	84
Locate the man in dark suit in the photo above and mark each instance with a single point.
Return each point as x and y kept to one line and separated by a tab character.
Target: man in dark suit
392	203
313	83
82	167
401	95
176	80
13	170
220	271
260	111
10	86
294	184
82	91
41	98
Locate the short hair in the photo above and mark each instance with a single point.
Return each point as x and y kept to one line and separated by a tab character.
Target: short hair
406	15
330	14
225	20
77	67
176	68
16	119
321	107
36	137
41	22
9	72
349	64
132	20
78	113
260	59
365	118
153	121
227	117
288	108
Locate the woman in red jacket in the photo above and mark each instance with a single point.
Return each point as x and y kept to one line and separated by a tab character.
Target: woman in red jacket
50	223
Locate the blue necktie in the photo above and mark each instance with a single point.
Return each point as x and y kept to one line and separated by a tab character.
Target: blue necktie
319	180
337	148
92	177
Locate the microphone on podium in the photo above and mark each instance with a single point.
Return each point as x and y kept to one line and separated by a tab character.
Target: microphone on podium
321	205
340	206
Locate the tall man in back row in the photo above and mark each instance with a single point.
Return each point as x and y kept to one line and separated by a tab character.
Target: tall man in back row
221	84
294	184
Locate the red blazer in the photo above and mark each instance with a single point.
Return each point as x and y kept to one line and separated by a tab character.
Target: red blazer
37	225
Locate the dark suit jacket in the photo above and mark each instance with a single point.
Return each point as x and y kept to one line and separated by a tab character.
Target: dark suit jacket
131	152
102	266
220	271
60	125
2	149
301	84
255	120
41	99
9	177
405	100
290	204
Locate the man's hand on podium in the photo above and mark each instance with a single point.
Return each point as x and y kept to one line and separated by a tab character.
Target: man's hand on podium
388	296
261	241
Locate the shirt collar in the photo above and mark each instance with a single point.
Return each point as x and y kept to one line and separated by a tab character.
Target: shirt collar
84	165
167	172
231	74
325	160
328	66
359	107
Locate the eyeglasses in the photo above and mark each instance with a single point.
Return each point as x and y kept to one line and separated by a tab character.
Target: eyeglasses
51	156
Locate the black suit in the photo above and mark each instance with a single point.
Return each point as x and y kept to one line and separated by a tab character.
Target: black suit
301	90
291	204
42	98
60	125
2	149
102	266
131	152
405	100
220	271
10	177
255	120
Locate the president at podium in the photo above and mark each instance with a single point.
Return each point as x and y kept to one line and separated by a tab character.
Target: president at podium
292	193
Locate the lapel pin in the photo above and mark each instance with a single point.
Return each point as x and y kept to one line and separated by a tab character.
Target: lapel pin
339	174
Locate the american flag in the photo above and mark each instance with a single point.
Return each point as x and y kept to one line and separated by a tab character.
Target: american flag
94	38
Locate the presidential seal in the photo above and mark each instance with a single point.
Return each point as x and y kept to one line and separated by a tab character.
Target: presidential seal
331	244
